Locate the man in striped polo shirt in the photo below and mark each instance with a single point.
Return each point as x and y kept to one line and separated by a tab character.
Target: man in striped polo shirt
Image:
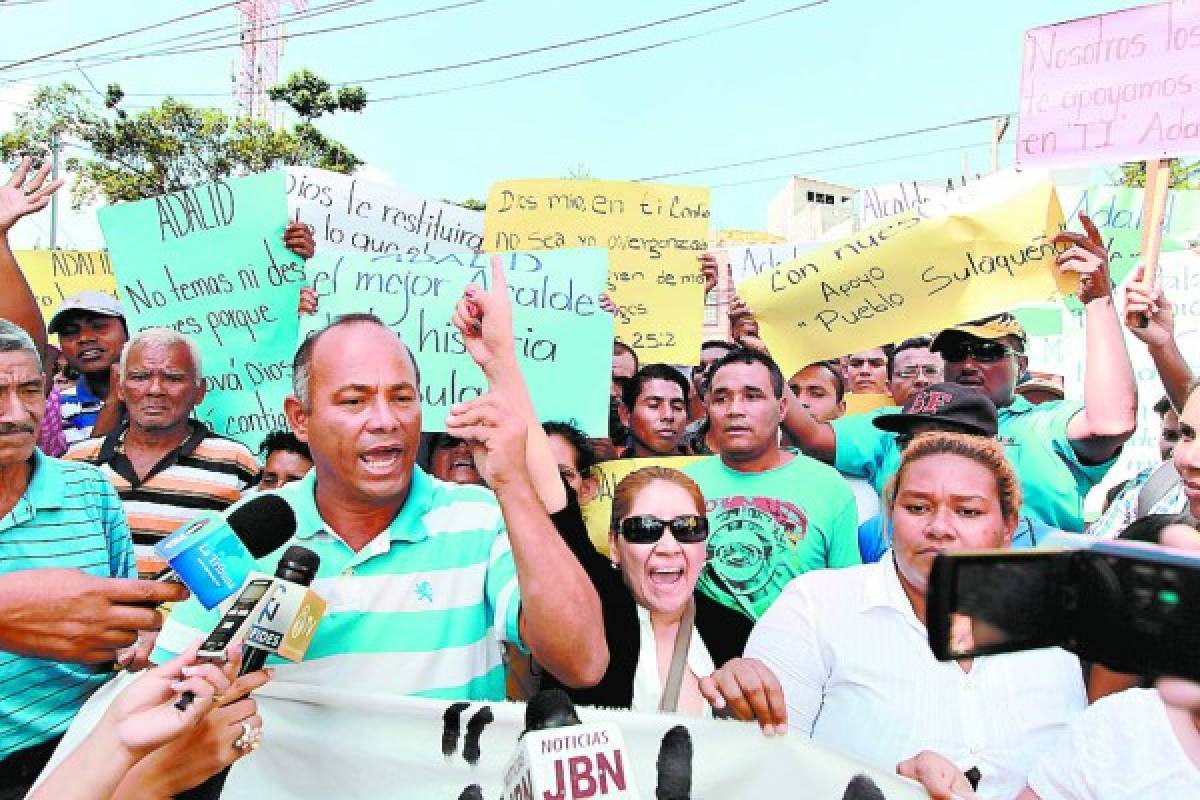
63	544
166	466
424	579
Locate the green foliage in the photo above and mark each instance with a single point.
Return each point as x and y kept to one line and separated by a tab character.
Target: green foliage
471	204
118	155
1184	175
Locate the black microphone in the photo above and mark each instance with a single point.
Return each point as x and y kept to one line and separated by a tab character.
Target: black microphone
549	708
675	765
298	566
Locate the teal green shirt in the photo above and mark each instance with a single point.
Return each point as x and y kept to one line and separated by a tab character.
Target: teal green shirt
421	610
68	518
768	527
1053	479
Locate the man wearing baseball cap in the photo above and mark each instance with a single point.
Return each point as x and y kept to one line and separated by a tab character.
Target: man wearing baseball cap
91	332
951	408
1060	450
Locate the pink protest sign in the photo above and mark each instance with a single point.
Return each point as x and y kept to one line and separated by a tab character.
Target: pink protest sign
1111	88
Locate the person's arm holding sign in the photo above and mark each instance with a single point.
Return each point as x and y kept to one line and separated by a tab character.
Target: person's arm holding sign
1158	335
1109	414
21	196
560	619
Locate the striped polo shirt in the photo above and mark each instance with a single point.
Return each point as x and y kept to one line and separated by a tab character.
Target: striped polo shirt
68	518
206	473
421	610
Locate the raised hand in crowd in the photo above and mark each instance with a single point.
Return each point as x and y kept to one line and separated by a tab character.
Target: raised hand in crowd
67	615
1147	303
146	715
1088	257
938	775
308	300
298	238
743	326
607	305
231	729
709	269
21	196
747	689
497	433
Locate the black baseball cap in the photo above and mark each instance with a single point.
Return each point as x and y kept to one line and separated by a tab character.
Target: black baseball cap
956	408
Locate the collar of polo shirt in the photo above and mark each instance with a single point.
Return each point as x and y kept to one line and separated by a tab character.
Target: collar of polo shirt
407	526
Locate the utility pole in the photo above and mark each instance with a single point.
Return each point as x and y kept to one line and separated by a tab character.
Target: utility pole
54	146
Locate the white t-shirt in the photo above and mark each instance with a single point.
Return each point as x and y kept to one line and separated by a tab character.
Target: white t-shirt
1122	748
866	499
858	675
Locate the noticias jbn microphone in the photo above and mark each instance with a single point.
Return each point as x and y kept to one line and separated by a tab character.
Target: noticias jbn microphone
557	758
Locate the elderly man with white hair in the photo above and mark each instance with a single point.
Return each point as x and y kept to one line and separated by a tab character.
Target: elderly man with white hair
166	466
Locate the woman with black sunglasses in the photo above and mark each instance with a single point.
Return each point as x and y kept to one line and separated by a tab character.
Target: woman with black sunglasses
662	635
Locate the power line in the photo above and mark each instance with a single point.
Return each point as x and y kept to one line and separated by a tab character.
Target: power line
121	35
839	167
543	48
826	148
597	59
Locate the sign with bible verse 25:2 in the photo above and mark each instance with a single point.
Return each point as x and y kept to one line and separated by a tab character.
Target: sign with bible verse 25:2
210	263
1113	87
654	235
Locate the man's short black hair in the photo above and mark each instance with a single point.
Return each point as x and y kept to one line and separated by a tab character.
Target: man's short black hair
710	343
834	368
665	372
285	441
1163	406
745	356
621	347
915	343
585	451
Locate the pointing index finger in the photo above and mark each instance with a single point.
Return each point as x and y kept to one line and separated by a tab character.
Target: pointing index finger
499	283
1092	231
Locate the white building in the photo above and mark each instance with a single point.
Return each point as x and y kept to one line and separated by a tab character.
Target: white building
805	209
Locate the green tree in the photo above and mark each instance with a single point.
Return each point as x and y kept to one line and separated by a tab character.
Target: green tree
1184	175
117	154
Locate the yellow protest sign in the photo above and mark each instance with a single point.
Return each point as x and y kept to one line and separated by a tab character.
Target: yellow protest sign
866	403
654	233
977	251
734	236
55	275
597	512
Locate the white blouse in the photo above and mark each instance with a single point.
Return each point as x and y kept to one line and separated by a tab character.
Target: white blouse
647	687
858	675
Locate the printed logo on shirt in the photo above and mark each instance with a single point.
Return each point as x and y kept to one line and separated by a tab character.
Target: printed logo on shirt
751	544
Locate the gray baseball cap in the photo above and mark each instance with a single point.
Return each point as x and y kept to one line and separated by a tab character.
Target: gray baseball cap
98	303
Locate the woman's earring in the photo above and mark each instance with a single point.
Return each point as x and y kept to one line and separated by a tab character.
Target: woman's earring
615	565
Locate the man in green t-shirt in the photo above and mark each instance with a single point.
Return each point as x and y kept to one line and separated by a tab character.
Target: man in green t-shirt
773	513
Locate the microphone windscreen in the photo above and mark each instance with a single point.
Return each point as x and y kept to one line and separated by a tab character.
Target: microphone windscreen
862	788
299	565
551	708
264	524
675	765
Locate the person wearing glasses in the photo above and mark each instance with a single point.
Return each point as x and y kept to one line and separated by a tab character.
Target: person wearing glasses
663	636
913	366
1060	450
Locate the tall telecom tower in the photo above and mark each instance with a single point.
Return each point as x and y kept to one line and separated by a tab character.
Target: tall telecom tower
260	56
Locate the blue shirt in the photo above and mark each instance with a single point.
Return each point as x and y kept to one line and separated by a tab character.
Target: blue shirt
1053	479
80	408
68	518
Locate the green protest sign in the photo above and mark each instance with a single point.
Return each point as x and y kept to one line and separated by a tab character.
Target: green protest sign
210	263
563	337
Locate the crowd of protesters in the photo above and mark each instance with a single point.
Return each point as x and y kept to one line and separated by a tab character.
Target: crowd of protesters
779	577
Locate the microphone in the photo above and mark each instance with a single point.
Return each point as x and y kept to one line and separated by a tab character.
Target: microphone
675	765
286	623
558	758
213	556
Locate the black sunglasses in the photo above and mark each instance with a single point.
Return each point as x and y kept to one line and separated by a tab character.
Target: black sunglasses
646	529
985	352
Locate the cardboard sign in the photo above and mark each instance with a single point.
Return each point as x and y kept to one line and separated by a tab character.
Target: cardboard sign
1113	87
563	337
210	262
980	250
654	233
348	213
597	512
55	275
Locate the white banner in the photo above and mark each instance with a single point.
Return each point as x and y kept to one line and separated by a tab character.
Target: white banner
749	260
348	213
322	743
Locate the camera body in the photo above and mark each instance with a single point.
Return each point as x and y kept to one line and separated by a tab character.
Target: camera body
1129	606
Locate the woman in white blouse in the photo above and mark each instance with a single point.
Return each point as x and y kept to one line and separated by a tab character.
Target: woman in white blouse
843	655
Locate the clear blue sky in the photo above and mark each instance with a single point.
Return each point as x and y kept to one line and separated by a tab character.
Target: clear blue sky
841	71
